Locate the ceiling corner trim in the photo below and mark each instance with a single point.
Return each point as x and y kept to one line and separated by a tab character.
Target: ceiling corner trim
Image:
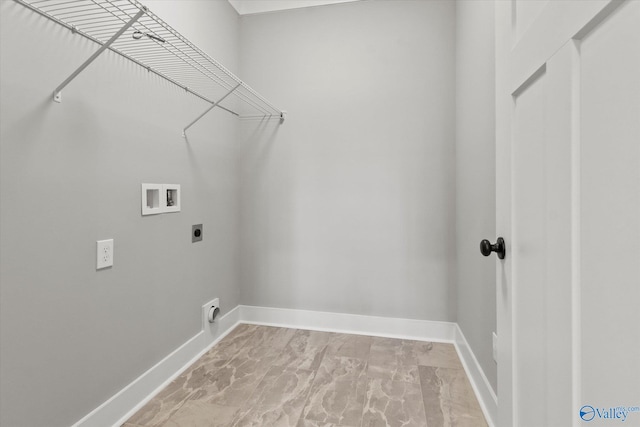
249	7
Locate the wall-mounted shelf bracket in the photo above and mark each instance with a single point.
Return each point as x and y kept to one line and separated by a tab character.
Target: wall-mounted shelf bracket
214	105
283	116
57	94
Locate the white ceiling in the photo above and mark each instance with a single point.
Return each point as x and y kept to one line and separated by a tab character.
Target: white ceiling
248	7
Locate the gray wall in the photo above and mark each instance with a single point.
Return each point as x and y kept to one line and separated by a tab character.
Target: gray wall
349	205
475	177
72	336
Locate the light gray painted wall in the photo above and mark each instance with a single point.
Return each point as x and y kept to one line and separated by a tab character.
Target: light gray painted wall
349	205
475	177
72	336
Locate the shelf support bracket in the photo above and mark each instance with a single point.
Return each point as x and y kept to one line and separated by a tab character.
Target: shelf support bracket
57	94
214	105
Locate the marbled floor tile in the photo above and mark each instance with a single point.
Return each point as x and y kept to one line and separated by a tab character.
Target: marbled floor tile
159	409
270	336
336	368
238	337
311	423
393	404
346	345
437	354
202	414
305	350
338	391
232	384
224	351
278	400
227	348
449	400
266	376
242	331
393	359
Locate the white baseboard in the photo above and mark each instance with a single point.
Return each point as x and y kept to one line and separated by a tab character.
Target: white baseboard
134	396
130	399
424	330
481	386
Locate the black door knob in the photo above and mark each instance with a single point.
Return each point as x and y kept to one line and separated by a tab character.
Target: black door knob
499	248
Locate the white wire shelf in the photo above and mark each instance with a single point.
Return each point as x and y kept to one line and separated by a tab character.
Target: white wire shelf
128	28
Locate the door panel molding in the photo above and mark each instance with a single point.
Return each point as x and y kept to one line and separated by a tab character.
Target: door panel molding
558	22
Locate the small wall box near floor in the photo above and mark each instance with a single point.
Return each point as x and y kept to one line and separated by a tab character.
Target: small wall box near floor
130	29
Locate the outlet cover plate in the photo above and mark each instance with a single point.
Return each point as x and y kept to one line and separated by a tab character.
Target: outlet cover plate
196	233
104	254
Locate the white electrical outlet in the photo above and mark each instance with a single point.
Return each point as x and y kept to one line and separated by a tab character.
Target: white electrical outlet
495	347
104	254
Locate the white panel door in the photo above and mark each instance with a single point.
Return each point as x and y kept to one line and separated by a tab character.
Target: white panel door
568	203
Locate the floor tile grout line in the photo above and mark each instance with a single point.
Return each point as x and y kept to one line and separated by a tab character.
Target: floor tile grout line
179	407
306	400
324	352
246	341
315	374
189	370
236	355
424	407
366	389
239	417
367	383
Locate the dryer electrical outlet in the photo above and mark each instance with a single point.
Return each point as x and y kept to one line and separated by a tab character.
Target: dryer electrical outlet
206	308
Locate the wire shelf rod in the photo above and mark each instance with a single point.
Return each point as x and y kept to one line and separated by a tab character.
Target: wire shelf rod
95	16
158	48
85	14
103	21
63	4
253	102
72	10
76	17
35	2
184	131
257	117
124	13
193	47
261	98
195	62
102	32
248	99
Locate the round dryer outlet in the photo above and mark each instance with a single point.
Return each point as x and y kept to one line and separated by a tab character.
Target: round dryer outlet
213	313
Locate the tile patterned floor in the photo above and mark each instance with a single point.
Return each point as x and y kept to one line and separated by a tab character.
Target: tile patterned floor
264	376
